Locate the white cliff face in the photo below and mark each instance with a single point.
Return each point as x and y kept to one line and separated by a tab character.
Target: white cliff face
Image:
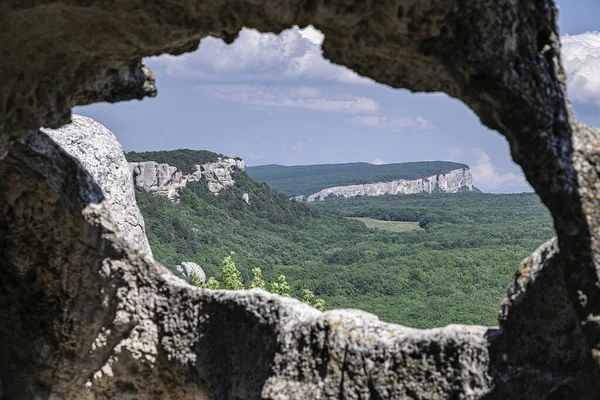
450	182
166	180
101	154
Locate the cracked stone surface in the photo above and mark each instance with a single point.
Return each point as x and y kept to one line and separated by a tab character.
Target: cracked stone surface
86	316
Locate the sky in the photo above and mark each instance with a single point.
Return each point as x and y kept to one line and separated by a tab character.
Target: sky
274	99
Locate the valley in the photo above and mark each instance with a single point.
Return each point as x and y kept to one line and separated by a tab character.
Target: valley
392	226
454	269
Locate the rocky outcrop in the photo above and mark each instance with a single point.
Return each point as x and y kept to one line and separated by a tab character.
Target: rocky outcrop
134	330
101	154
166	180
187	268
88	317
451	182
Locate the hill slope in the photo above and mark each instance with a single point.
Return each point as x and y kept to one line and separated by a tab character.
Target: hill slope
308	179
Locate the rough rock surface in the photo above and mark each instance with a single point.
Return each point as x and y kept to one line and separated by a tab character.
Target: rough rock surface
134	330
88	317
101	154
166	180
186	268
451	182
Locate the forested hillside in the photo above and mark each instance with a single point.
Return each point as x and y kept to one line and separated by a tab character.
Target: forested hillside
483	211
455	270
307	179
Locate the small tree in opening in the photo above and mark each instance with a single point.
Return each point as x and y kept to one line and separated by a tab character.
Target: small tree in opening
232	280
281	287
212	284
230	276
194	280
309	298
257	280
319	304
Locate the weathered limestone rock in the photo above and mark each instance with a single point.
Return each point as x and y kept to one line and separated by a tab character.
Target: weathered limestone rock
161	179
539	283
101	154
88	317
134	330
451	182
166	180
186	268
219	174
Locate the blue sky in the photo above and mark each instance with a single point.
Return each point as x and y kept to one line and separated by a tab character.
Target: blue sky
274	99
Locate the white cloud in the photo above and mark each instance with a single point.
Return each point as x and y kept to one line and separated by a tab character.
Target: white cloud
581	59
402	123
286	97
485	174
488	177
314	35
294	54
378	161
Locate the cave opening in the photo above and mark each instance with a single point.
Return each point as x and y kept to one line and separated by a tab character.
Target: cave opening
407	206
91	316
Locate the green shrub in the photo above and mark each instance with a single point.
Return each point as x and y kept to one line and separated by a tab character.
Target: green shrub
230	276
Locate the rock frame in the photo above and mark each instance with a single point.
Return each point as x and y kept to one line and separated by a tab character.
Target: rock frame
86	316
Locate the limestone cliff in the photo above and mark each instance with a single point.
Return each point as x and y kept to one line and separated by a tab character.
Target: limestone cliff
451	182
167	180
101	154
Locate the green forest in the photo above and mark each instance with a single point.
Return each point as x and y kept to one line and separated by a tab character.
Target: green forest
308	179
455	269
184	159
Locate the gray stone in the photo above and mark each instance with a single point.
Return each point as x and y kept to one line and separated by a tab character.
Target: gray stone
101	154
166	180
134	330
186	269
161	179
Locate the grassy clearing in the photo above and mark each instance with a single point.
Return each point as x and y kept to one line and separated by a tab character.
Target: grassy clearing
391	226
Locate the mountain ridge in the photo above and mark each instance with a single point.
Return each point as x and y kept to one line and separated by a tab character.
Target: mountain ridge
304	182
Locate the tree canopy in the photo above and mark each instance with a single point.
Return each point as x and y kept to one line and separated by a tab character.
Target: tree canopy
185	160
